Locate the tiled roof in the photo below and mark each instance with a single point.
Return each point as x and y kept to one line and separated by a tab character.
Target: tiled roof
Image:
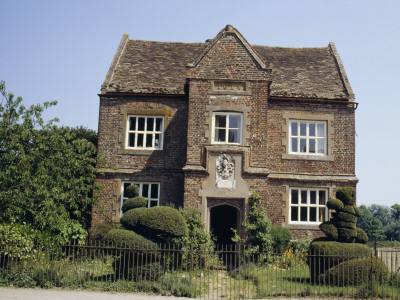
160	68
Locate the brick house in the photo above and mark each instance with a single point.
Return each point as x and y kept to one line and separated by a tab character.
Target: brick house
206	124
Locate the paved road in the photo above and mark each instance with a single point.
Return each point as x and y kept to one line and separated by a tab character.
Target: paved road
9	293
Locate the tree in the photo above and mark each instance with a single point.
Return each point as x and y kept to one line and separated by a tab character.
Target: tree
381	212
46	172
371	225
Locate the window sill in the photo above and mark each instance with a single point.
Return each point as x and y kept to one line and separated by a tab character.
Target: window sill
304	226
308	157
138	151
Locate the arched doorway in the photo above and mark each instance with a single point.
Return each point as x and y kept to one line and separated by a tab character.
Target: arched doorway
222	219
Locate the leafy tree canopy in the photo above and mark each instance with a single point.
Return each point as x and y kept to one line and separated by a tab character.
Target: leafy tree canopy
46	171
371	225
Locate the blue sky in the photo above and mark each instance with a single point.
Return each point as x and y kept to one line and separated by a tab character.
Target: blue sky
61	50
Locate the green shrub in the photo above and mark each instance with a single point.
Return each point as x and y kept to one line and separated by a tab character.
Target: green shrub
281	237
133	203
323	255
100	230
335	204
129	239
162	222
362	237
356	272
347	195
330	230
131	191
130	219
150	271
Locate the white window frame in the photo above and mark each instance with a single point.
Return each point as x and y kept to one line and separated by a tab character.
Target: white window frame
308	205
213	139
308	138
145	132
140	184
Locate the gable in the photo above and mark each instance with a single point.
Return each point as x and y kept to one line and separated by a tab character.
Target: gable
228	56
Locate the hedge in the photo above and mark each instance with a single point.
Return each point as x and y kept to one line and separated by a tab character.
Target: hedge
347	195
356	272
133	203
162	222
129	239
130	219
323	255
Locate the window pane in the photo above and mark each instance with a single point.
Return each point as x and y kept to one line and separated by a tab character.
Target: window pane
141	124
132	123
234	136
294	128
153	203
321	130
157	141
303	197
303	145
303	129
295	197
131	141
150	124
234	121
154	191
313	197
311	129
322	197
321	214
220	121
294	214
303	214
149	140
145	190
294	144
313	214
220	135
158	124
312	145
140	140
321	146
126	184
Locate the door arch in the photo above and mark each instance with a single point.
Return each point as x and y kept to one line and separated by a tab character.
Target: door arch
222	218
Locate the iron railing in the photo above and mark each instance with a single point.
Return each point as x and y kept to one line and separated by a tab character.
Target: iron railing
226	272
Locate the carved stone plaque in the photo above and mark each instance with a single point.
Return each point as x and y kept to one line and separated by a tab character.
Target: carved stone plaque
229	86
225	171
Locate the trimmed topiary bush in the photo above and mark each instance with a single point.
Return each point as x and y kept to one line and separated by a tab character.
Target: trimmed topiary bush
130	219
162	222
133	203
100	230
132	191
342	226
357	272
128	239
323	255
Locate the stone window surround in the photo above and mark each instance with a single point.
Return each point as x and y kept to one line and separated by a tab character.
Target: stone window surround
328	118
145	132
210	109
214	91
305	185
166	113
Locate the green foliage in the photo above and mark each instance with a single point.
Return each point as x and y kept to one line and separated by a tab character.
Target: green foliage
258	226
100	230
197	244
370	224
129	239
356	272
395	212
17	241
132	203
46	172
132	191
281	237
361	236
162	222
323	255
342	226
130	219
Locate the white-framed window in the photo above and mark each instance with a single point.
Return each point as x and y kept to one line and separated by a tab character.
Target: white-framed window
227	128
144	132
308	205
307	137
148	190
